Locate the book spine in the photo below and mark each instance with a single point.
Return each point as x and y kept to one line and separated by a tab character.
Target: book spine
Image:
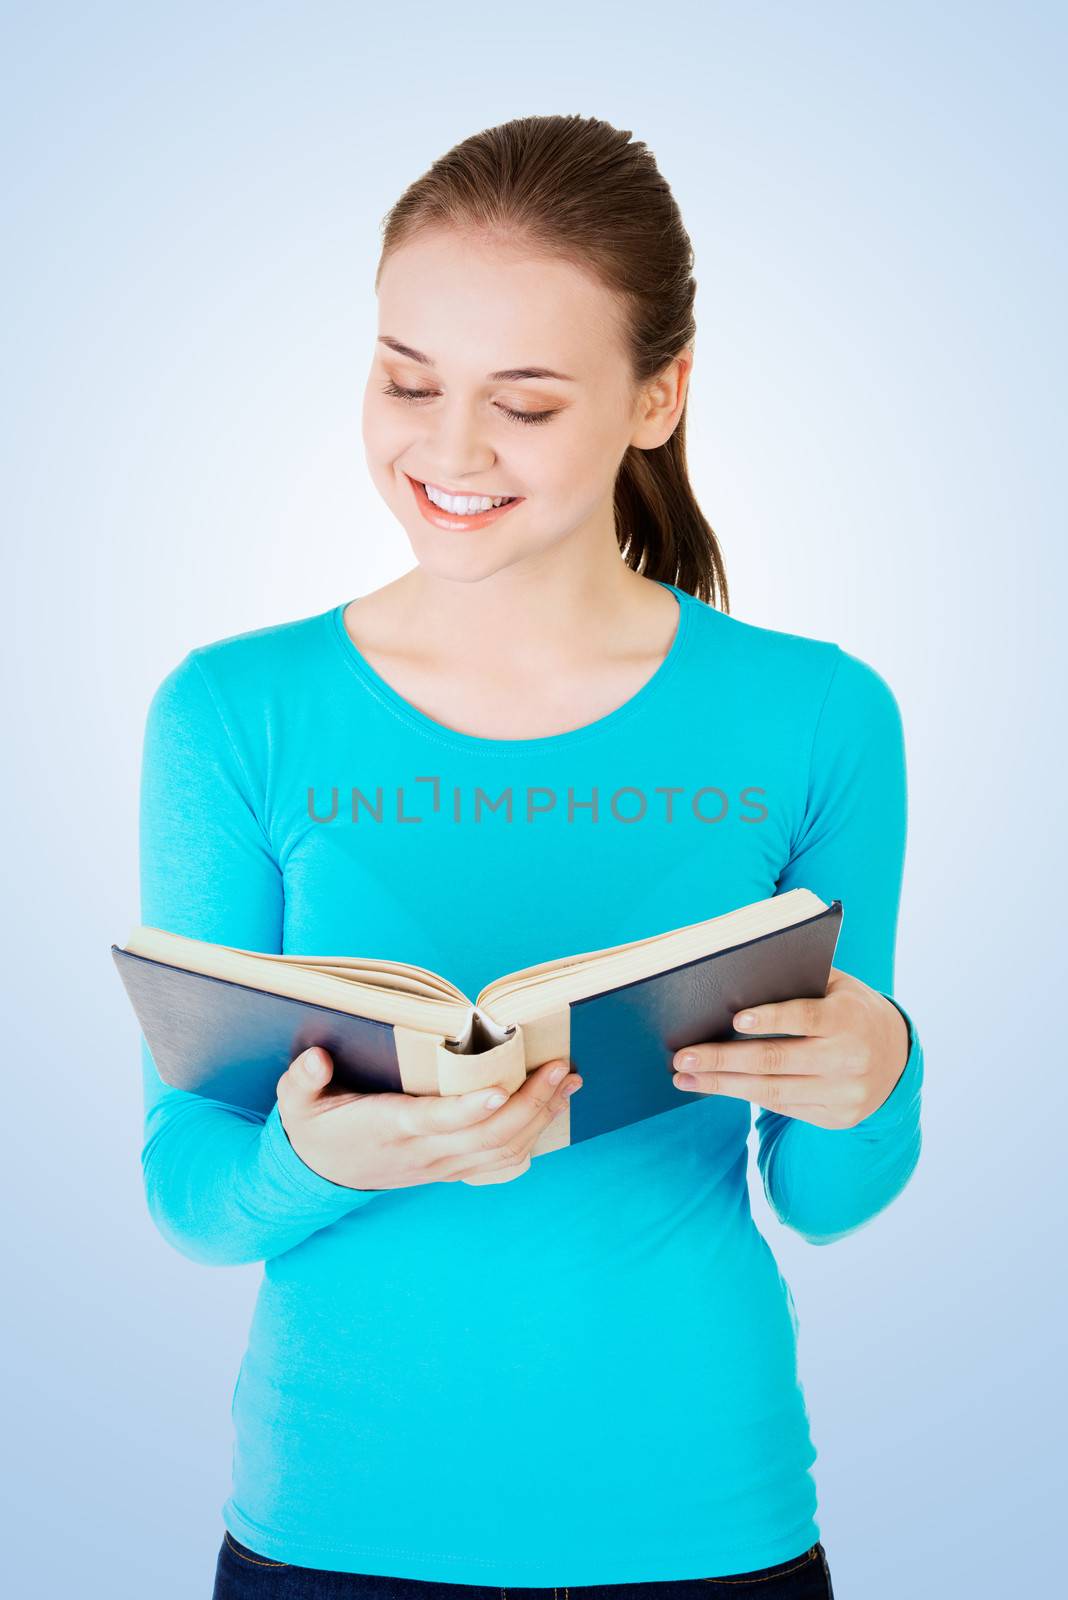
490	1057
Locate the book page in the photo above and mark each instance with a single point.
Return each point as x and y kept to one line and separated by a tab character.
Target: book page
523	995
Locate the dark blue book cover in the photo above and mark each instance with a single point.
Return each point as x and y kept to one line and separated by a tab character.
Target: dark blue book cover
232	1041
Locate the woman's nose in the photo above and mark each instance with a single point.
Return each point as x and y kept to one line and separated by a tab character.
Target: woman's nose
458	444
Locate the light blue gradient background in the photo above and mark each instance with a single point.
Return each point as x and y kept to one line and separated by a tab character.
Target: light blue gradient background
193	195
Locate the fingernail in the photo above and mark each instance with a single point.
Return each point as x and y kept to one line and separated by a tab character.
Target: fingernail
570	1090
686	1059
557	1073
495	1100
744	1019
310	1063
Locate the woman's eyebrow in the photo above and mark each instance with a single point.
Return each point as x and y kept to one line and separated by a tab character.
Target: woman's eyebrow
510	375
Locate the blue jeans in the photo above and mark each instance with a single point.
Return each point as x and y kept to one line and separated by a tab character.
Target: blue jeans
242	1574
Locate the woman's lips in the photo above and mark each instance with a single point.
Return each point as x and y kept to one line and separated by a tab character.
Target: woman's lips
445	519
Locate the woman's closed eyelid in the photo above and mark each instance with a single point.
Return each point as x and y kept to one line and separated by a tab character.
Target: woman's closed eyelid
424	385
417	396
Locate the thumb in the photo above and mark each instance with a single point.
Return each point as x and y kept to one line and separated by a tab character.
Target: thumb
312	1070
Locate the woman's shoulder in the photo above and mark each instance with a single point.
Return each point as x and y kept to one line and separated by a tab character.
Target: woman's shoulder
236	704
252	663
822	672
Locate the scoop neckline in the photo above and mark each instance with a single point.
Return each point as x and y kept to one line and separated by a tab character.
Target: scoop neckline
443	734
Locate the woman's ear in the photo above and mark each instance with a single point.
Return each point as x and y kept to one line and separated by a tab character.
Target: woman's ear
661	402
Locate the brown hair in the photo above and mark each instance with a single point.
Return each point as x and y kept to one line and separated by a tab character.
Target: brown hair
577	189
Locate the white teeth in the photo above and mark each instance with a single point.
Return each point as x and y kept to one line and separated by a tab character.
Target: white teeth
461	505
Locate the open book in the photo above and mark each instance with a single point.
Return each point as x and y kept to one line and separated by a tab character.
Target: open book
226	1023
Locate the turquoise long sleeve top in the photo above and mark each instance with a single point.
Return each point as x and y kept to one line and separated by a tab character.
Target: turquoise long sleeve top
587	1374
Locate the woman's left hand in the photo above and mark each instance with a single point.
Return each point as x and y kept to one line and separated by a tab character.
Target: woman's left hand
852	1050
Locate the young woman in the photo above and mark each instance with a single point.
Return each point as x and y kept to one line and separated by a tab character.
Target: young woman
580	1375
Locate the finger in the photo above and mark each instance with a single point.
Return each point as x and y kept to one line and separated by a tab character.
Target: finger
786	1093
768	1057
513	1155
505	1138
504	1129
305	1078
798	1017
419	1116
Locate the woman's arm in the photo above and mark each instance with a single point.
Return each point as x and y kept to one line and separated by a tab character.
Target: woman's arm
223	1185
826	1182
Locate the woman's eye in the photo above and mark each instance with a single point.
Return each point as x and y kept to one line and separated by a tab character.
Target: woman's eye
413	396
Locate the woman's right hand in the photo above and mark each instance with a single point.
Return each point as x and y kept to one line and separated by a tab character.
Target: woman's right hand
392	1141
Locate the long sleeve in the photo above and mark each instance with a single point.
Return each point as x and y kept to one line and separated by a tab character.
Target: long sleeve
223	1185
826	1182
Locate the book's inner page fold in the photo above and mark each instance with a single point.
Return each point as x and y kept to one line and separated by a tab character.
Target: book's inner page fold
521	996
388	975
414	997
385	991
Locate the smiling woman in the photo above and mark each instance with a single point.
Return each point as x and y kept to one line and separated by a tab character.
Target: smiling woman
466	1367
548	366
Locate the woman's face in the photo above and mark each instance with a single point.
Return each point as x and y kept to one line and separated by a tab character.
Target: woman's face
468	311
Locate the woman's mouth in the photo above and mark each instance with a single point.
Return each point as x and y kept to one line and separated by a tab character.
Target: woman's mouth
461	518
